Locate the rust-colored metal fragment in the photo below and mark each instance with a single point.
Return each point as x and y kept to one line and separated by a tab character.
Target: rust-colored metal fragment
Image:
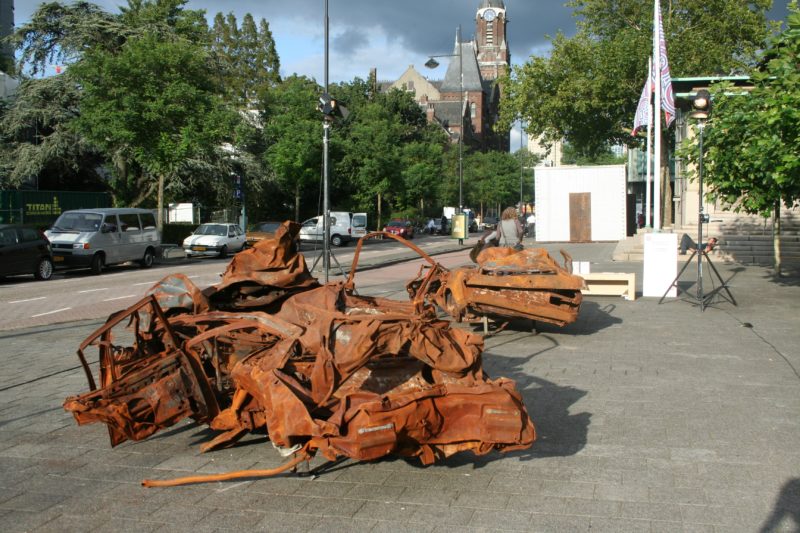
316	368
506	283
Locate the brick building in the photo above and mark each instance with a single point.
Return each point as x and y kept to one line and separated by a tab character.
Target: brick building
481	61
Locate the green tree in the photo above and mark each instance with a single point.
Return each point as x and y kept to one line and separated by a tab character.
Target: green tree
374	157
752	140
587	89
571	156
246	58
491	179
39	148
293	133
155	101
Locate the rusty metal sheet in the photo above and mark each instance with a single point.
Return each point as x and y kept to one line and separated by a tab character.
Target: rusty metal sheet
506	283
319	369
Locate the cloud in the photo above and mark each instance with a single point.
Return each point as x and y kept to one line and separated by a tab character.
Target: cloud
350	41
387	35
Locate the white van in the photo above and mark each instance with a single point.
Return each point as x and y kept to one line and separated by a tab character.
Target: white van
359	225
94	238
341	226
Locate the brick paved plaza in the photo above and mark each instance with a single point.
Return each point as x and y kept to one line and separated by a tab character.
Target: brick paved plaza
649	417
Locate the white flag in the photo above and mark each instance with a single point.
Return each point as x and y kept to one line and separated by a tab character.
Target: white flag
642	117
667	98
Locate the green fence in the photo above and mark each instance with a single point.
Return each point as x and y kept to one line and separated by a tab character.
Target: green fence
42	208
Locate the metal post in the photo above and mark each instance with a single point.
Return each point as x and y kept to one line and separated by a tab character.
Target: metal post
521	171
461	134
326	230
700	250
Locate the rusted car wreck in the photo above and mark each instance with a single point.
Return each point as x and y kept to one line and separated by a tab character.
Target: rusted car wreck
506	283
317	368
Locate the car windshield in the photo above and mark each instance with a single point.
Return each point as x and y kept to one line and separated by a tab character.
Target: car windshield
399	223
211	229
78	222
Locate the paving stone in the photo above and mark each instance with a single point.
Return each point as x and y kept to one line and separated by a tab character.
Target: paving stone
501	520
662	435
439	515
582	507
481	500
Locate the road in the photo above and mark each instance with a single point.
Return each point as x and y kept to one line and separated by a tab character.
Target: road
79	295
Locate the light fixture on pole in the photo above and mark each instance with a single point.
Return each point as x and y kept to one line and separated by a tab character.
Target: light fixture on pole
432	63
701	109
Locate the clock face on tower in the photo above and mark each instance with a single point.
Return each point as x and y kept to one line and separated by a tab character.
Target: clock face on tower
489	15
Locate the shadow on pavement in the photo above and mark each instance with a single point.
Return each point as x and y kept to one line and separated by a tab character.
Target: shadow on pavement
786	506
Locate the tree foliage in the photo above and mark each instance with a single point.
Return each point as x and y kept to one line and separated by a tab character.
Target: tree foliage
752	140
154	103
246	58
38	144
154	100
293	137
586	90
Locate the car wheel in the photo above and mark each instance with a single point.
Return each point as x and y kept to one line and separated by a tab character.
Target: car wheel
98	262
147	260
336	240
44	270
223	253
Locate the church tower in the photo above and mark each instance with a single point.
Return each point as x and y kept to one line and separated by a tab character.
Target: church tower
490	36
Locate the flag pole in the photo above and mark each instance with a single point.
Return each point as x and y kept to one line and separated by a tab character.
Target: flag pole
648	198
657	120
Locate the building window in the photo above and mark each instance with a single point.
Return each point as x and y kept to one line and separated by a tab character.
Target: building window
410	86
473	109
490	32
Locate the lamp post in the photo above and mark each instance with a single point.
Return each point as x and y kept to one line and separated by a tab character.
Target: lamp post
432	63
701	107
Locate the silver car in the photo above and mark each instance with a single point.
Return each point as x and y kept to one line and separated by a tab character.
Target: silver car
215	239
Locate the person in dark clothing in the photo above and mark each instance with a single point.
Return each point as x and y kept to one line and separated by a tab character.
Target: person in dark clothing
444	225
687	243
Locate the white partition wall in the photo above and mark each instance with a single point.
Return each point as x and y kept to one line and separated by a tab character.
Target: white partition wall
580	203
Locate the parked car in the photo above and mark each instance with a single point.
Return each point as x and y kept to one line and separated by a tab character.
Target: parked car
262	230
402	228
341	228
214	239
24	251
489	223
95	238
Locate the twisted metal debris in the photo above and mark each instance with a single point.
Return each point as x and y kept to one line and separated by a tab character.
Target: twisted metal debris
318	368
506	283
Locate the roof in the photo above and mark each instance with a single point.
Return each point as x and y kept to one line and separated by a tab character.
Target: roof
447	112
469	65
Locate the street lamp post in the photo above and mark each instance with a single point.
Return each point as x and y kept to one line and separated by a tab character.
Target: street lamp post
432	63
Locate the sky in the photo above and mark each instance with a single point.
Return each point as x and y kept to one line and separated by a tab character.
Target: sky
384	34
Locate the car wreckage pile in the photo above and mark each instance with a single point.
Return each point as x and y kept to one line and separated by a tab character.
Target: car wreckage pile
317	368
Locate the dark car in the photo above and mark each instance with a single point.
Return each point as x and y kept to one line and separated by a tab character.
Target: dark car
262	230
403	228
24	251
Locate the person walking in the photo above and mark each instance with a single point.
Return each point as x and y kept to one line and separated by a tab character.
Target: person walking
510	229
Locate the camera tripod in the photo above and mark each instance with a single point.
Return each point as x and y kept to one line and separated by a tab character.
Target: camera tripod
330	255
700	298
